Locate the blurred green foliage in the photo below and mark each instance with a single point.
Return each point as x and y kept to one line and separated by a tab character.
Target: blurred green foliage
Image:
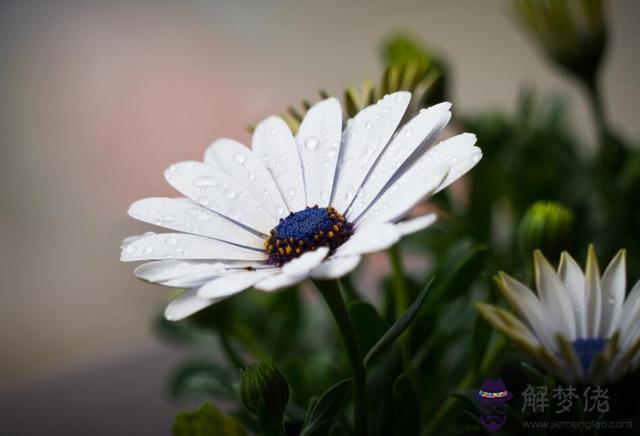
418	384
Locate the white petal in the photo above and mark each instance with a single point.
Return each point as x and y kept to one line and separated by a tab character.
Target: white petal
182	246
233	283
211	187
630	310
305	263
244	167
631	328
128	240
408	144
554	297
416	224
335	267
461	153
614	285
458	154
525	302
276	147
183	215
278	281
319	145
166	270
404	194
573	278
369	238
366	135
185	305
594	294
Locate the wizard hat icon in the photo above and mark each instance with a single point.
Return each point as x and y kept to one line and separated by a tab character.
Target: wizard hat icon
493	392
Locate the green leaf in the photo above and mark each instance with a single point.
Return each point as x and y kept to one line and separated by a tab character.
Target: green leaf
368	324
406	407
327	408
206	421
398	327
198	378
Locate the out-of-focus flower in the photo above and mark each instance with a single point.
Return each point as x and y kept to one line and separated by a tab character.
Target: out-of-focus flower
263	381
299	206
579	325
571	32
545	226
408	67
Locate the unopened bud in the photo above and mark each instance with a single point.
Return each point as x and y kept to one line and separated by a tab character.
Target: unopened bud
546	226
264	381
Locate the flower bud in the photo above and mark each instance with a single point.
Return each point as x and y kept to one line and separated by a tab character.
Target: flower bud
410	66
545	226
264	381
572	33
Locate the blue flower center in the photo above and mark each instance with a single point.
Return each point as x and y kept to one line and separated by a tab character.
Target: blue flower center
587	349
305	231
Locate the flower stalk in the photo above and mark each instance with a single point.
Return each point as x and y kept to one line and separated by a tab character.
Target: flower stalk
332	294
400	298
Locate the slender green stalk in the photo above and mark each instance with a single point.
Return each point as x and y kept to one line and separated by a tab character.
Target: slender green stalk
230	352
330	290
597	108
400	299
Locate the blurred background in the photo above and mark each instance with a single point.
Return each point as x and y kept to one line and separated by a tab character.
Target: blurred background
98	98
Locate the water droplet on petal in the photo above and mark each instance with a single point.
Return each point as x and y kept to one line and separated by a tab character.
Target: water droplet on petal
291	192
148	249
331	152
229	194
399	97
311	142
280	210
409	133
130	249
324	195
240	158
368	124
203	201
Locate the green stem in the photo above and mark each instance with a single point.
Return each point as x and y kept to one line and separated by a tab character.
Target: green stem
597	108
230	352
330	290
401	299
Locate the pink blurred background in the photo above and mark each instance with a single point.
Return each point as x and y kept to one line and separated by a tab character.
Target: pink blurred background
98	98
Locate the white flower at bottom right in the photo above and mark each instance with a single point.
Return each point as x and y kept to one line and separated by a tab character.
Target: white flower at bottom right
579	325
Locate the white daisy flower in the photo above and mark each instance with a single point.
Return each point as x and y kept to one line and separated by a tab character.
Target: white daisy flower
579	325
294	207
